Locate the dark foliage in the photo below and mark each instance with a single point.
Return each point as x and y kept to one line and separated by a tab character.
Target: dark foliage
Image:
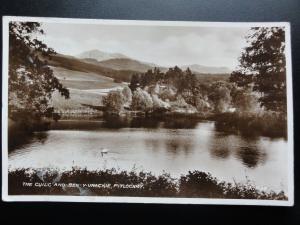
194	184
31	81
263	67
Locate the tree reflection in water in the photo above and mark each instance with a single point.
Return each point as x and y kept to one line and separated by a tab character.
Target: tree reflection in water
221	152
251	156
17	140
149	122
181	135
176	145
171	145
242	148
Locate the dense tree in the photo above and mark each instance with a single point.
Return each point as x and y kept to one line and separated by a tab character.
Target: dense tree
159	103
263	67
220	96
168	93
127	95
184	82
114	101
174	76
151	77
202	104
189	87
135	82
31	81
141	100
244	100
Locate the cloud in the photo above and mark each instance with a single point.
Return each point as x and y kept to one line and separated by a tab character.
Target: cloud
163	45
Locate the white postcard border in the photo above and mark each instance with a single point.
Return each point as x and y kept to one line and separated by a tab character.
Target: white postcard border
161	200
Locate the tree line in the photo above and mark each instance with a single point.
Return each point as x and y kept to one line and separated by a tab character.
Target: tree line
258	83
260	79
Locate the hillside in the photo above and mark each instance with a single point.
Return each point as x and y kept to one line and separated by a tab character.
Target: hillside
100	55
125	64
83	80
207	69
117	61
88	80
123	68
72	63
86	88
209	78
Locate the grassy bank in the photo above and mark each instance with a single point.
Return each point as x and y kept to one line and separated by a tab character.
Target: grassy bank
122	183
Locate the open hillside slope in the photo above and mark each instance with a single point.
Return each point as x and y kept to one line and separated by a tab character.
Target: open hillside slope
85	89
125	64
88	80
75	64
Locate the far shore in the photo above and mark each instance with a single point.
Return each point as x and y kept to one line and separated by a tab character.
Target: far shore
244	124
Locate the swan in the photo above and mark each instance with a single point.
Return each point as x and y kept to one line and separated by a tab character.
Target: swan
104	151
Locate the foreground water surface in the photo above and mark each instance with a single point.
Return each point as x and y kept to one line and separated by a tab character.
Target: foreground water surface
174	147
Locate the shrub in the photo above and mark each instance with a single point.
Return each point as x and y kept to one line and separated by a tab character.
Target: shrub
194	184
220	96
158	103
127	95
114	101
244	100
141	100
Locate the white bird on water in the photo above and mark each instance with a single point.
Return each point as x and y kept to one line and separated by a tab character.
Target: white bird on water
104	151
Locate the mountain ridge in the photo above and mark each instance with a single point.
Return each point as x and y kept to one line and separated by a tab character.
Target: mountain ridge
100	55
207	69
118	61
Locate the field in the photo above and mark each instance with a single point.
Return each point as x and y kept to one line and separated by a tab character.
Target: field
85	88
74	64
88	82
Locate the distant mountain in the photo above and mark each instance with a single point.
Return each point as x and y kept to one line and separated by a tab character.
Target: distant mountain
100	55
118	61
207	69
122	68
125	64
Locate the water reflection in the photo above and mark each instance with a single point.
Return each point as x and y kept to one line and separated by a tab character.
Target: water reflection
243	149
82	125
250	156
221	152
154	145
175	146
17	140
138	122
254	129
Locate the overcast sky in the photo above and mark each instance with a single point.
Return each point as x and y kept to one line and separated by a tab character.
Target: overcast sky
162	45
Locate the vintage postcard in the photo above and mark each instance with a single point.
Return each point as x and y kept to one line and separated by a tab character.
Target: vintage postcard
147	112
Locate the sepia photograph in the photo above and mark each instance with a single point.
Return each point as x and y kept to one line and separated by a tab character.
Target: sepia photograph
147	111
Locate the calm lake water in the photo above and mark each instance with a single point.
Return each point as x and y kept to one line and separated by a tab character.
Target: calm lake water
157	146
